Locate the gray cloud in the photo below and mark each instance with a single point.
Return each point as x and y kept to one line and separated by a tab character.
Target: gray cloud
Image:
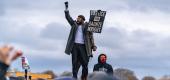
111	38
145	5
140	5
55	31
27	35
2	10
33	5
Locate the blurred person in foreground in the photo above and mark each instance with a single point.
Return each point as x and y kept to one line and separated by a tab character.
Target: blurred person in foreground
100	76
103	66
6	58
92	76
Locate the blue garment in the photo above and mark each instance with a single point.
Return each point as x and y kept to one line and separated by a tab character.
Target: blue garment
3	71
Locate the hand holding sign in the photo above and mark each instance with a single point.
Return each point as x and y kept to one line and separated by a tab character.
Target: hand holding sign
96	20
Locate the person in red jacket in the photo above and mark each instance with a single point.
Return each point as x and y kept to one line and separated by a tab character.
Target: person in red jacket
6	59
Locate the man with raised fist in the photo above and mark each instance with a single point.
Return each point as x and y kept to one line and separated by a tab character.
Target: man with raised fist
80	44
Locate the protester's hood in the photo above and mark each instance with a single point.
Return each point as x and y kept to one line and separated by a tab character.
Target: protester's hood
99	61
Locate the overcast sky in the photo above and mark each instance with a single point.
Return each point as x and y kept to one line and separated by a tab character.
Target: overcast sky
136	33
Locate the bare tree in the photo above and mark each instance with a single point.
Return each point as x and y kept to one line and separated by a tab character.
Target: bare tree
66	73
50	72
166	77
148	78
124	74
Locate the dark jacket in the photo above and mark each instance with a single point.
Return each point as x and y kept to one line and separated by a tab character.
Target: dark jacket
3	71
88	36
104	67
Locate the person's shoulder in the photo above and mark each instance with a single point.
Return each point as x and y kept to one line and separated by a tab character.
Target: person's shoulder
109	65
96	64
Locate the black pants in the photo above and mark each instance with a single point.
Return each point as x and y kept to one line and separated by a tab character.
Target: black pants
79	58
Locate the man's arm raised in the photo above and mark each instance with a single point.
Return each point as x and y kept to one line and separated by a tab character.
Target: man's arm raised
67	15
